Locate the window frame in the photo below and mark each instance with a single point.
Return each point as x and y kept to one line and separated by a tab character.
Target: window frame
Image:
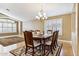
52	24
9	33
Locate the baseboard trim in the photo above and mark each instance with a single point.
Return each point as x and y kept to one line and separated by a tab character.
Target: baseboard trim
74	53
71	45
66	41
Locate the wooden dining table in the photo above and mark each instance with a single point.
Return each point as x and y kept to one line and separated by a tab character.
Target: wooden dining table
42	38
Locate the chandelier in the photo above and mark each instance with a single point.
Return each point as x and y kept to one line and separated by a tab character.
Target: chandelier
41	15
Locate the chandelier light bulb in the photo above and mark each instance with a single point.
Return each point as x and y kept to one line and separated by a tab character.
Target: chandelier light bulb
41	15
37	17
44	14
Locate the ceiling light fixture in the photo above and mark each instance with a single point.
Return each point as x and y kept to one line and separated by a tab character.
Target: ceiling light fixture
41	15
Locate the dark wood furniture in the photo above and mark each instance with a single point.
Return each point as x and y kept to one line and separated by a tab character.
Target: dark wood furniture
43	44
43	38
29	43
29	38
18	52
52	43
37	31
56	39
59	50
49	31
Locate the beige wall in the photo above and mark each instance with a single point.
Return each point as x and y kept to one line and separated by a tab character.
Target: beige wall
73	29
66	27
73	22
78	32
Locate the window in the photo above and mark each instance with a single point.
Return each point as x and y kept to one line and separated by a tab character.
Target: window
55	24
8	26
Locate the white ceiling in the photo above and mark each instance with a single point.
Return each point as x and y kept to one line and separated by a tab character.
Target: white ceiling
27	11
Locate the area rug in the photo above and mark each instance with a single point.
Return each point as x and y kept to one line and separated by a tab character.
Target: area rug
21	51
11	40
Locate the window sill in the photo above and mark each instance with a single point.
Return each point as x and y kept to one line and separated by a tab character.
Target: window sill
8	34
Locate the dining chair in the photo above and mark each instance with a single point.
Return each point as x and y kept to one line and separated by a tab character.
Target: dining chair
56	39
51	43
59	50
49	31
37	31
30	43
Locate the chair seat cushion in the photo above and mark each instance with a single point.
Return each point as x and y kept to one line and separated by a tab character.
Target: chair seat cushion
48	42
36	43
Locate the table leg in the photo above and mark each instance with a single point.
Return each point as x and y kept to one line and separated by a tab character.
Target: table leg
44	46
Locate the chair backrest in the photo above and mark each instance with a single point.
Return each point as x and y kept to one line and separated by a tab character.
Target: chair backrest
31	30
37	31
28	38
54	37
49	31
